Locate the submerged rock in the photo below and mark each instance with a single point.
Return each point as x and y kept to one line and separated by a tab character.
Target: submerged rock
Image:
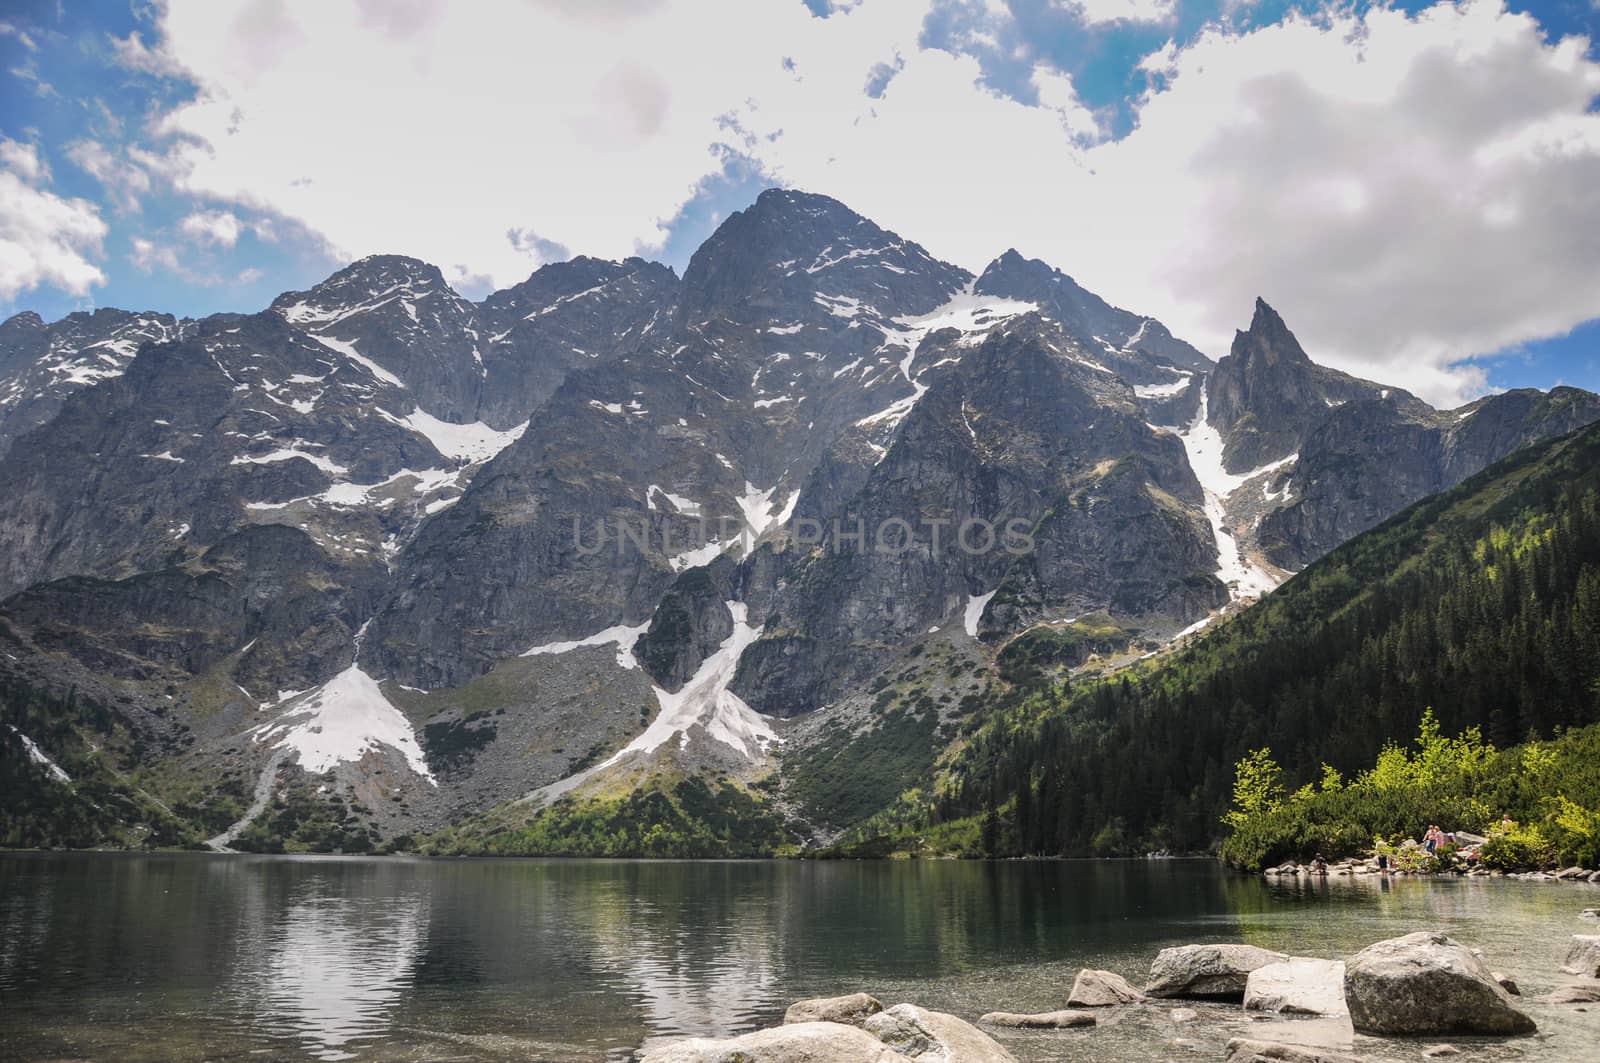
1044	1020
1584	956
803	1042
1101	989
1427	983
851	1010
1248	1050
1207	971
1576	993
1298	986
1440	1051
1183	1015
934	1037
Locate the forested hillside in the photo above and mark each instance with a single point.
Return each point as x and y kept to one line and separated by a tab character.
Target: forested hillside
1482	603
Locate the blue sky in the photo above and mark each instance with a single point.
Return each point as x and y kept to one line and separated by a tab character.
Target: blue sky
180	157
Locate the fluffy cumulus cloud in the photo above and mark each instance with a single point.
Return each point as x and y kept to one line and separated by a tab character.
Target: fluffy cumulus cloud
44	238
220	227
1410	190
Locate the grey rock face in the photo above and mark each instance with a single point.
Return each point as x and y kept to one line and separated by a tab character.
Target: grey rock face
1426	983
246	421
41	365
851	1009
1019	430
269	589
1267	391
1101	989
566	316
1139	349
401	314
1366	460
1207	971
689	623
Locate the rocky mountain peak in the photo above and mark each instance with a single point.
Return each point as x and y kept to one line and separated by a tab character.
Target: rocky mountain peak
1268	339
1139	348
790	246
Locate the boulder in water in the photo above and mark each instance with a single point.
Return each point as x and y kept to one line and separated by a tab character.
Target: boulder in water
1576	993
802	1042
934	1037
1207	971
1044	1020
1101	989
1583	958
1249	1050
1427	983
1298	986
851	1010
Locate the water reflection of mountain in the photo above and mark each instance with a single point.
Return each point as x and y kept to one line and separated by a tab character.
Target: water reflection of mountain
326	957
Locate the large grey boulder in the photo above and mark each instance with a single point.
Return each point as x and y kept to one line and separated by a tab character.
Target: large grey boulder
1298	986
1101	989
851	1010
1043	1020
1584	956
934	1037
804	1042
1249	1050
1207	971
1427	983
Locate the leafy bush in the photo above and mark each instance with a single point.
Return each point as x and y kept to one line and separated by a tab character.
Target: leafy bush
1462	783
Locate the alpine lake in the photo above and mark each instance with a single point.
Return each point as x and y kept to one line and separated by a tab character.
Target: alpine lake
172	958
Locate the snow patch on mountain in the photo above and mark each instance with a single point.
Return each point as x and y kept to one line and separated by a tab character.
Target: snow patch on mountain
40	757
340	722
624	636
1163	391
471	443
348	349
976	603
704	700
1203	443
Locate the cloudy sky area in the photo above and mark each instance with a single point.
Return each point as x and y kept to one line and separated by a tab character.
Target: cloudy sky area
1415	186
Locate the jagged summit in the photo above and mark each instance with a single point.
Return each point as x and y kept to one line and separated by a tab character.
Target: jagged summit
1139	348
788	245
1268	338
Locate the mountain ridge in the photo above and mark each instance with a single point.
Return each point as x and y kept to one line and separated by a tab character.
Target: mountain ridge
421	481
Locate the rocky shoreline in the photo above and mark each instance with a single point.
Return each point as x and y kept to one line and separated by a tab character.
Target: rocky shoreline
1369	866
1422	985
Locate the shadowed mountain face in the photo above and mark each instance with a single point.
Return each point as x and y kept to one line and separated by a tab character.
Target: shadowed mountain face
610	526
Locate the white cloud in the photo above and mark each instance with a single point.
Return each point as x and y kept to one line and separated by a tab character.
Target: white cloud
23	160
11	29
132	53
122	177
1096	12
218	227
148	256
44	238
576	125
1409	191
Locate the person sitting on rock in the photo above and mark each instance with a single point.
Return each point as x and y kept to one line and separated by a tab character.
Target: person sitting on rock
1319	866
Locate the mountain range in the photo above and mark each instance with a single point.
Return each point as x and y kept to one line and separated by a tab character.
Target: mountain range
393	562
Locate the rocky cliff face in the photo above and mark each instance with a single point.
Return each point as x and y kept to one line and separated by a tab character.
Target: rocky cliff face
41	365
608	524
